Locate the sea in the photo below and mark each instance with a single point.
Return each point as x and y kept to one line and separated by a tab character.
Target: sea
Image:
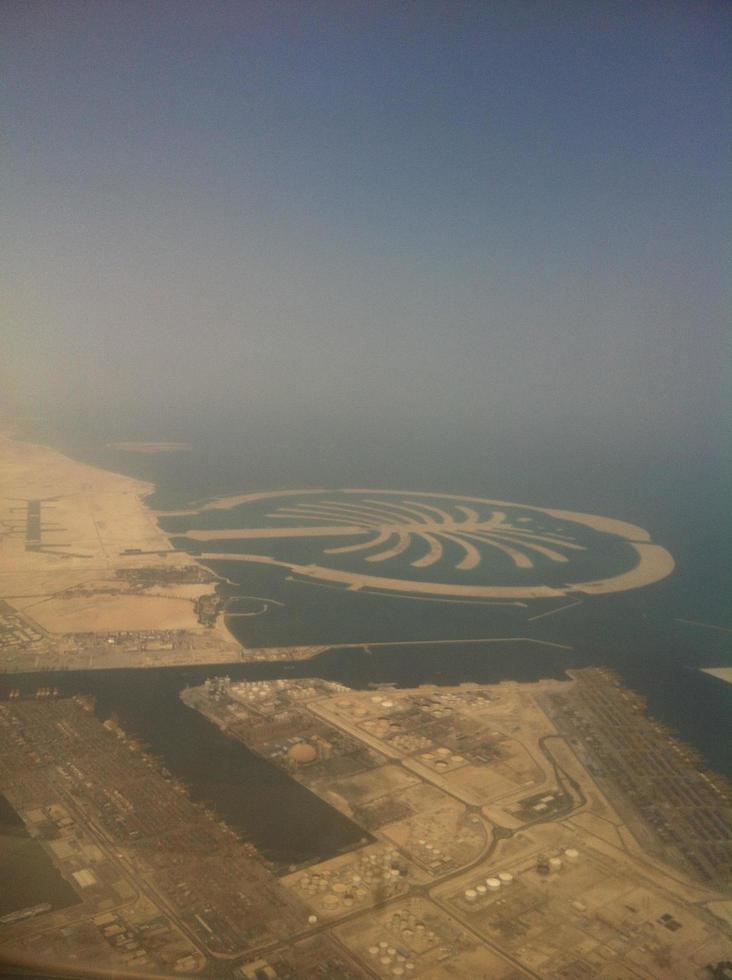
657	638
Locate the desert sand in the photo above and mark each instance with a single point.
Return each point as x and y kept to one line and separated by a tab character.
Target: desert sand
64	568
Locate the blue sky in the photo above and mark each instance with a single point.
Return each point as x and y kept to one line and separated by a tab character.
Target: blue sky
510	211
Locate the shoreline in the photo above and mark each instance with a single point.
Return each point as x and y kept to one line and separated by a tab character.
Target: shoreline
87	576
100	586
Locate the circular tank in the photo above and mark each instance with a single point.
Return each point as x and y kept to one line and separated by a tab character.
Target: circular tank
302	753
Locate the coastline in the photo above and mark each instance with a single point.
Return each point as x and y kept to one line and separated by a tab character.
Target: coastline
87	576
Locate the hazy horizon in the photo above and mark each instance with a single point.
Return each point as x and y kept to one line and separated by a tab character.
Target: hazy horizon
510	217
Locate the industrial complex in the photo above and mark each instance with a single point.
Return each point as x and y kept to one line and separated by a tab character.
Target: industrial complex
496	841
547	830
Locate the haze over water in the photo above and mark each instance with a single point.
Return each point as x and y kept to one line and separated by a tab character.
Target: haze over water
502	220
471	248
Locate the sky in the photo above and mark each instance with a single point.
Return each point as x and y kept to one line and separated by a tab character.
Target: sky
512	214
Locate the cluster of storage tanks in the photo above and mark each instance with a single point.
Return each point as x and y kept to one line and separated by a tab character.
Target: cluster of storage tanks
392	959
442	759
544	865
393	955
488	886
345	887
257	690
